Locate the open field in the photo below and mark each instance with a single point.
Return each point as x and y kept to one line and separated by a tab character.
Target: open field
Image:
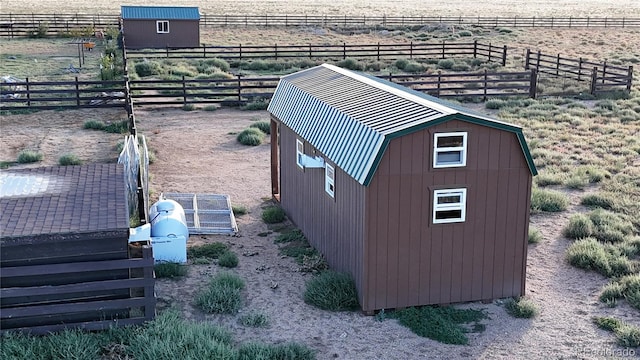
510	8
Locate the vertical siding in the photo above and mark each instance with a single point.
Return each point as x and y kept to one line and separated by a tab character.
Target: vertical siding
414	262
334	226
142	34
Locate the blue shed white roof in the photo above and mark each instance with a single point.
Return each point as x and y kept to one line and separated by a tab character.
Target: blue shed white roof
351	117
159	13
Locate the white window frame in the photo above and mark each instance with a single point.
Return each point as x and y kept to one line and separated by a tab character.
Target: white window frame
330	180
299	153
160	26
462	149
461	205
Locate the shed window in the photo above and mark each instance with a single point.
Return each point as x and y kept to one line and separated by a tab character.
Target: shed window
299	153
162	26
329	180
449	149
449	205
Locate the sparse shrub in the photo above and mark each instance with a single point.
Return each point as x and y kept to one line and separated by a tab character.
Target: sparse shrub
263	126
292	351
535	236
401	63
255	105
148	68
460	67
495	104
289	236
69	159
351	64
590	254
228	259
219	63
210	251
250	137
576	182
626	287
210	108
580	226
29	156
414	67
331	290
599	200
628	335
119	127
521	308
465	33
607	323
169	270
254	319
273	214
222	295
41	31
446	64
548	201
94	125
239	210
547	179
440	323
188	107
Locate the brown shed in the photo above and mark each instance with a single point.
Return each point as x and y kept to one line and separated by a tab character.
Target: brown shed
160	26
420	200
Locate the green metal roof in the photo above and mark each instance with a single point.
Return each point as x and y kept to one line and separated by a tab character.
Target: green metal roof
159	13
351	117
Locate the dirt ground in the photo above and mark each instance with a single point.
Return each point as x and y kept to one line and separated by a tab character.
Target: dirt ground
197	152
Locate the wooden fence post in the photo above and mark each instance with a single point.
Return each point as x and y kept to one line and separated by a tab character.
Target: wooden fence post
344	51
309	51
149	293
439	78
629	78
378	50
240	52
28	92
475	48
276	51
184	91
484	97
579	68
443	48
239	90
533	83
558	65
77	92
504	55
594	78
167	50
604	70
538	60
490	47
204	50
526	59
411	50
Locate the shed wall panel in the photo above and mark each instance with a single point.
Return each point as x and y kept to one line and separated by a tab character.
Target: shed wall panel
333	226
481	258
142	34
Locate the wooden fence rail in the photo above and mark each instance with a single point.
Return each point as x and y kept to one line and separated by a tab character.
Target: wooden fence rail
24	24
242	90
96	312
603	77
61	94
377	51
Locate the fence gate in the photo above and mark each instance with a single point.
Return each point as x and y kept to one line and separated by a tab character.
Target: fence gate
206	213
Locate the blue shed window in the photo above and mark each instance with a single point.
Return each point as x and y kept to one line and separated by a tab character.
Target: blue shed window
162	26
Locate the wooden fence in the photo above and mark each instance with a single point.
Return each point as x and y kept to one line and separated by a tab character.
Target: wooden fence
602	77
24	24
377	51
241	90
61	94
136	308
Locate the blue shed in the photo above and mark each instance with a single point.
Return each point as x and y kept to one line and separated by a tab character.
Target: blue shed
160	26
